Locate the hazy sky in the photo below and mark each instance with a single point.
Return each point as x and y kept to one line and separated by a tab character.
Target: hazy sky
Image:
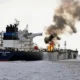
37	14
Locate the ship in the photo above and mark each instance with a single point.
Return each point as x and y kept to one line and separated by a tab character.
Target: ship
18	44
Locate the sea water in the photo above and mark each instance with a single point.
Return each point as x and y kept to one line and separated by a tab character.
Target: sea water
40	70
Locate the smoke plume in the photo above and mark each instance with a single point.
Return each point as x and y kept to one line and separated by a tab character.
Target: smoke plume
50	38
65	15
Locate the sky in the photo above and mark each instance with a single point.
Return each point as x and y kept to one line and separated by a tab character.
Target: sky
38	14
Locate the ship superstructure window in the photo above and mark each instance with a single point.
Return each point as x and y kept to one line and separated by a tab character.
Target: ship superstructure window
29	33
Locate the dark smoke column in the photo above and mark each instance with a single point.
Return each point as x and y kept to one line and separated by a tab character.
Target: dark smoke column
50	38
65	16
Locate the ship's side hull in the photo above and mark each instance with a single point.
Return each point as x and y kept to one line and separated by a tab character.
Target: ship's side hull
6	55
60	55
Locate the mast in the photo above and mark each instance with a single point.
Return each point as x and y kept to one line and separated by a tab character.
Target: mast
58	46
17	22
65	45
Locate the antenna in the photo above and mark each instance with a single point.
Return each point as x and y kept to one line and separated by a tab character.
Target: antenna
17	22
27	27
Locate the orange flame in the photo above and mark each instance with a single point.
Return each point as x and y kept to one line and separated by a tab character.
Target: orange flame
51	46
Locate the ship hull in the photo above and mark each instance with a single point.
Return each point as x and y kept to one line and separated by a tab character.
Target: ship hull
60	55
6	55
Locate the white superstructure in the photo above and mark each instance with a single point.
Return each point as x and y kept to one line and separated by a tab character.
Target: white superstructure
24	41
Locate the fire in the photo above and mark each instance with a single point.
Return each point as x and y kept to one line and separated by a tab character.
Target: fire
51	46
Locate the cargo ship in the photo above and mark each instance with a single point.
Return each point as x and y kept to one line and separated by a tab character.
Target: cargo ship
18	45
